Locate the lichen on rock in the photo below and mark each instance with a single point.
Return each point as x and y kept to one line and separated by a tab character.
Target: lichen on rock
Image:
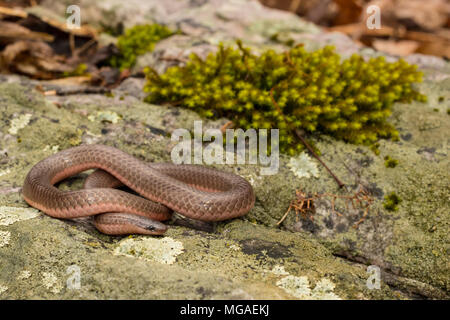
51	282
303	166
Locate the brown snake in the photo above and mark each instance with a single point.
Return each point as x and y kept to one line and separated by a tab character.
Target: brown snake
194	191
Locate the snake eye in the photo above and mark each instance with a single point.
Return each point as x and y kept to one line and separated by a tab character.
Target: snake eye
150	227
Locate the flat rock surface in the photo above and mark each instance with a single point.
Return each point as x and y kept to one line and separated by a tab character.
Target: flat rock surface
248	258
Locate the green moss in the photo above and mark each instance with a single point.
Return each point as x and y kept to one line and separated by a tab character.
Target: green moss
391	201
313	91
137	41
389	162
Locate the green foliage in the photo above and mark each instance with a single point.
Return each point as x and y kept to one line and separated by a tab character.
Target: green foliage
391	201
312	91
389	162
137	41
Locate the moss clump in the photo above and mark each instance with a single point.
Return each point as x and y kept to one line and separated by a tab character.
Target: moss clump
391	201
137	41
313	91
389	162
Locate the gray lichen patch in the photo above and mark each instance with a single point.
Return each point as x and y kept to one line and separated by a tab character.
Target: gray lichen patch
23	275
303	166
300	287
104	116
5	172
279	271
3	289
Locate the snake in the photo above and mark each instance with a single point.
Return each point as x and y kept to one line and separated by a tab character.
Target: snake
157	190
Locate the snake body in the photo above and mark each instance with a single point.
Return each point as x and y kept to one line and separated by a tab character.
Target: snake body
194	191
